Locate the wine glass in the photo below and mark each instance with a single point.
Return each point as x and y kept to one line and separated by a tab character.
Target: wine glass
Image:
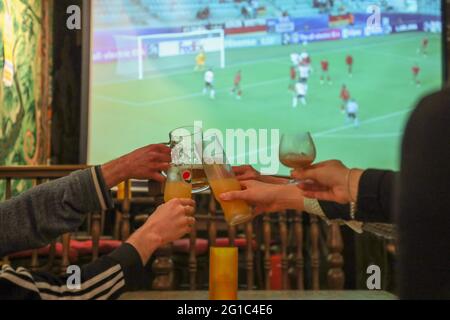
297	150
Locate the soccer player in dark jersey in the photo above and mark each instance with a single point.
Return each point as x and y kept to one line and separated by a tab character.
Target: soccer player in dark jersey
292	78
349	62
237	91
415	71
423	47
325	72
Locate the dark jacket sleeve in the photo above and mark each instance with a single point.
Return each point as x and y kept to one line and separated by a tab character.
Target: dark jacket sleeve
106	278
424	201
375	194
36	217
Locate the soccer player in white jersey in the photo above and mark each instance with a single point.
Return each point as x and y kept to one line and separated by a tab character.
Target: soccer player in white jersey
295	59
352	112
301	89
209	84
304	56
304	72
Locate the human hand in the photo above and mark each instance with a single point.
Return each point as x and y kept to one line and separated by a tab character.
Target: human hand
247	172
143	163
330	181
267	197
169	222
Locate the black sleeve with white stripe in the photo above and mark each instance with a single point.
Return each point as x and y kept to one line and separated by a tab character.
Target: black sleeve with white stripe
106	278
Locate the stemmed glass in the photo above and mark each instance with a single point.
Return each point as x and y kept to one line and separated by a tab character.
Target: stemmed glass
297	150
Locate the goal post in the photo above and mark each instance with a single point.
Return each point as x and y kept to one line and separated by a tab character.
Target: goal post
141	54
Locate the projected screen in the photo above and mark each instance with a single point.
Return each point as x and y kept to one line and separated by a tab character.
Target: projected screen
348	71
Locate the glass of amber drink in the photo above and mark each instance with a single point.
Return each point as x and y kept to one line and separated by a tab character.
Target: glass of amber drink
178	183
186	145
222	179
223	273
297	150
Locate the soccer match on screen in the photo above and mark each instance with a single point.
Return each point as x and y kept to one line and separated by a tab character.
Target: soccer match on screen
348	71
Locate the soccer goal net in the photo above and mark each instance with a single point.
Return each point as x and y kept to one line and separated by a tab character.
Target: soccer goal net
140	56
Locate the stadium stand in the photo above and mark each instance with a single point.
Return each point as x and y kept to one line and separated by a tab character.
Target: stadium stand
163	12
197	12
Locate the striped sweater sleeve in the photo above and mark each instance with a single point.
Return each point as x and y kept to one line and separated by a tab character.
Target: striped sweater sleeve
36	217
104	279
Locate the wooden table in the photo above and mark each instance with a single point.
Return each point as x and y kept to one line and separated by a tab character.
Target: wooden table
264	295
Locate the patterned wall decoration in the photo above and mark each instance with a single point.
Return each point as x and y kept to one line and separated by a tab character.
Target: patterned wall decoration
25	99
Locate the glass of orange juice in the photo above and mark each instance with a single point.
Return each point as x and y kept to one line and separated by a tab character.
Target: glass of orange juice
221	179
178	183
223	273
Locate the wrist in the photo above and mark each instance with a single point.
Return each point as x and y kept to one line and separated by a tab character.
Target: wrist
114	172
354	175
290	197
145	242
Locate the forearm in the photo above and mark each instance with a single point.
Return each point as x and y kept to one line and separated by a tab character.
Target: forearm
106	278
36	217
145	241
288	197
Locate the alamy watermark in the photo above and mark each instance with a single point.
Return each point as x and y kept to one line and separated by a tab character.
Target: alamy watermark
74	280
373	24
374	280
242	146
74	19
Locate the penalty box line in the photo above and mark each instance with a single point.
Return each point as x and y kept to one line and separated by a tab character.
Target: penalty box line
272	59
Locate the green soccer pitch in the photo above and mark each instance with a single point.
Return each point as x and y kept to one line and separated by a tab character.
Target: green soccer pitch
126	114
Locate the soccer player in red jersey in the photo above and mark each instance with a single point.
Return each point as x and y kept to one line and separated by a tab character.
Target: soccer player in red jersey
345	96
237	85
325	73
292	78
349	62
415	71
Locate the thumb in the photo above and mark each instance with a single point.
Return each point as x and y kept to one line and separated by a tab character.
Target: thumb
304	174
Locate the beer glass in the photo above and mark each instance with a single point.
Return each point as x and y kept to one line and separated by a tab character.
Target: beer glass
221	178
178	184
186	145
223	273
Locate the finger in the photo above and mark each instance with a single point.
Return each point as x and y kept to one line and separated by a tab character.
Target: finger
186	230
190	221
158	166
160	148
246	176
312	187
241	169
247	183
189	210
157	177
233	195
305	174
159	157
187	202
322	164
